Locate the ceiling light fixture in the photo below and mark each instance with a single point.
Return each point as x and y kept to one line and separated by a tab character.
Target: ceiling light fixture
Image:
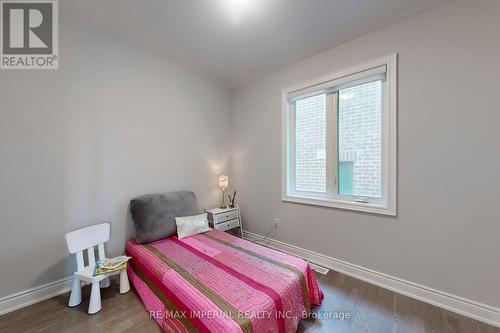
237	9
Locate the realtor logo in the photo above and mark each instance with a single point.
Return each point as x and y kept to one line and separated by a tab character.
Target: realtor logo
29	36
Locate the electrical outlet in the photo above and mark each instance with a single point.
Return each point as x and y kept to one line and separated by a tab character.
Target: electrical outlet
276	222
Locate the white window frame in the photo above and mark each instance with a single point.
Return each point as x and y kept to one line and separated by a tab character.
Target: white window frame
387	204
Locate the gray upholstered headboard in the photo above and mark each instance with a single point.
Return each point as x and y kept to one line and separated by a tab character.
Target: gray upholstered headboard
154	214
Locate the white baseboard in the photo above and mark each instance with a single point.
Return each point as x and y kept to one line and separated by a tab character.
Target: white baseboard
482	312
34	295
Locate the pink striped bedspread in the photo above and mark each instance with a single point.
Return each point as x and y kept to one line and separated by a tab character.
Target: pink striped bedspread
215	282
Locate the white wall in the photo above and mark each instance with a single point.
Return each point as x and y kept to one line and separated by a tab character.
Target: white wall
446	234
76	144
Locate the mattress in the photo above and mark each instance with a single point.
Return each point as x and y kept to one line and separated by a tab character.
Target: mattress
215	282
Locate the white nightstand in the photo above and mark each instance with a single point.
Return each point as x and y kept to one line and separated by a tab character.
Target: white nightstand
224	219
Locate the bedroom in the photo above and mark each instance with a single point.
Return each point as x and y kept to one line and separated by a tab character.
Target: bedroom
170	95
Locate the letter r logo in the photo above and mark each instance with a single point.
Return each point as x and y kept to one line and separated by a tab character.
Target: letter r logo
27	27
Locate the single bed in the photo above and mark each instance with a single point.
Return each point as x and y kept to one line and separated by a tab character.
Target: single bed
215	282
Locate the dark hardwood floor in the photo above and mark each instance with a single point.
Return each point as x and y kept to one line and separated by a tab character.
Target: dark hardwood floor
371	309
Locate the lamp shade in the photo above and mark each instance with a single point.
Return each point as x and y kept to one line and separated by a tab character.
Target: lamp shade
223	181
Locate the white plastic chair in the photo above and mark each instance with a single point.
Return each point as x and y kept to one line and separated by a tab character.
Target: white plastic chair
86	239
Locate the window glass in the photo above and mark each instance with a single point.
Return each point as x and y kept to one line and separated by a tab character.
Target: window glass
310	143
359	140
346	177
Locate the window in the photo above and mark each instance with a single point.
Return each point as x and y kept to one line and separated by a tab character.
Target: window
339	140
310	140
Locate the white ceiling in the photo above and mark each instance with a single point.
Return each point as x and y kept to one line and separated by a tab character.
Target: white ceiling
232	48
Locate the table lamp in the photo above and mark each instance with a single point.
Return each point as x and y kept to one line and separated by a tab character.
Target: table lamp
223	183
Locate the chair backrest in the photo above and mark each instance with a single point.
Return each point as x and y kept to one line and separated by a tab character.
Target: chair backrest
85	239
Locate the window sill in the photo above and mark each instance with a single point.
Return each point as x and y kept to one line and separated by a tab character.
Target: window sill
342	204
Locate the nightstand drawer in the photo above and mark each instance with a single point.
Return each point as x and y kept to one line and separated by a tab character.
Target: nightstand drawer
219	218
227	225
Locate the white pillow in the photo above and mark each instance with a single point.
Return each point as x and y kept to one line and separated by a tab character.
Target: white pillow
191	225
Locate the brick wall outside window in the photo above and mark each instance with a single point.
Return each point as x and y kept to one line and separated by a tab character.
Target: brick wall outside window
360	136
359	139
310	138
